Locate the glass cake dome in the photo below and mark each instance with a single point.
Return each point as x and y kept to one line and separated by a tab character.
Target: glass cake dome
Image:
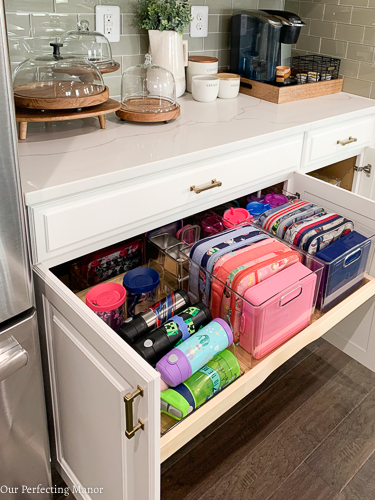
148	89
55	82
91	45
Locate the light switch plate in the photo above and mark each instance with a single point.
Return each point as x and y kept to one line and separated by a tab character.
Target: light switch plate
199	24
107	21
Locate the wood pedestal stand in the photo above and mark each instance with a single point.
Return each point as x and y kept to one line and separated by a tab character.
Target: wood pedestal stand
25	115
142	117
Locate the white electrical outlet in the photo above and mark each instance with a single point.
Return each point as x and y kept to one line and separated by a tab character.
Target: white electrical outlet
199	24
107	21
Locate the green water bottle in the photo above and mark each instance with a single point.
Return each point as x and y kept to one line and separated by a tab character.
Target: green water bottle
201	386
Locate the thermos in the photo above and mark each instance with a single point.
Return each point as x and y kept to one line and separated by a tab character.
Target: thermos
156	344
201	386
182	361
144	322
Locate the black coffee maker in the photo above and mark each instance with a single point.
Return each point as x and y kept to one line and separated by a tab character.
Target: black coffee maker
290	31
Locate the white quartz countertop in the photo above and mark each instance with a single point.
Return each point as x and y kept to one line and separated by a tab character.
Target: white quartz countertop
65	158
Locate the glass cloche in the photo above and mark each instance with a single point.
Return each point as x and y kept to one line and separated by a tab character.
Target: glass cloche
149	90
88	44
55	82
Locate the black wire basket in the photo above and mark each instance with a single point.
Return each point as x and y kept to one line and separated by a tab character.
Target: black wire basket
326	68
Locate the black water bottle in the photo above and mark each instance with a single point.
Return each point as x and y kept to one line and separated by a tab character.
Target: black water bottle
156	344
139	325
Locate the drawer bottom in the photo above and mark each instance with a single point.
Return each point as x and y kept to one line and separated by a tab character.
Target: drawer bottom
175	435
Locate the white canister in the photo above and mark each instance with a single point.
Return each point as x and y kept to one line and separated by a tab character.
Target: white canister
200	65
205	88
229	85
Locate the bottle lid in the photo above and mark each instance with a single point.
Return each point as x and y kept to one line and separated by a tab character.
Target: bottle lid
254	197
106	297
235	216
133	329
275	200
141	280
255	208
227	329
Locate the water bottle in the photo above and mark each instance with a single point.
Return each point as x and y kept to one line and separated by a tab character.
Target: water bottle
182	361
201	386
156	344
144	322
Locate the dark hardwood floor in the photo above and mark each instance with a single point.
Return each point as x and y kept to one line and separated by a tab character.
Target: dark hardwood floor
308	433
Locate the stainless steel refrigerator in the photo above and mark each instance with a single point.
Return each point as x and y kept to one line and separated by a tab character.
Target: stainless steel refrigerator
24	451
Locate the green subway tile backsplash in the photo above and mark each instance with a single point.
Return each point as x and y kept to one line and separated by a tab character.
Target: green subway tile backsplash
346	29
33	24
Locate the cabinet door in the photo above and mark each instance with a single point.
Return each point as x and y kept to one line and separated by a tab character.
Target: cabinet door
366	181
356	334
89	371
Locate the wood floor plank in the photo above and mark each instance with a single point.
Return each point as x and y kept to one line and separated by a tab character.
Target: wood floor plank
303	484
272	379
345	451
362	486
262	471
224	449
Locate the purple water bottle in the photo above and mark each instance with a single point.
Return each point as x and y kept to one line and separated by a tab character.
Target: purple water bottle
182	361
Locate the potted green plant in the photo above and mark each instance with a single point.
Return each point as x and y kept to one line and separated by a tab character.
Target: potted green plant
165	21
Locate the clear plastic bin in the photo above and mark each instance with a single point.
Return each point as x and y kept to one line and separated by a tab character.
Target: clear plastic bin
345	263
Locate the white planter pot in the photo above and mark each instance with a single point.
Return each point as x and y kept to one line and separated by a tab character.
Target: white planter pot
170	51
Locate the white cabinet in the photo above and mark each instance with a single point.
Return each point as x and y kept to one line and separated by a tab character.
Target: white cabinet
365	185
326	145
90	368
66	228
90	371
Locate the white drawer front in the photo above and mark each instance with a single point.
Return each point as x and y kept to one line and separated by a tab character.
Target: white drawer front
76	222
338	140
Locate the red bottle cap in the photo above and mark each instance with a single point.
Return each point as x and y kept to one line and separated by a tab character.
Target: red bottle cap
106	297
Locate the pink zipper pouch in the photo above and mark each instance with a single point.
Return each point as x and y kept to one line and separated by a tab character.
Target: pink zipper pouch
225	271
276	309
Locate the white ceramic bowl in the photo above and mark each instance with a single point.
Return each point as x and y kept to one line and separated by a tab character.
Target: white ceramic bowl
205	88
229	85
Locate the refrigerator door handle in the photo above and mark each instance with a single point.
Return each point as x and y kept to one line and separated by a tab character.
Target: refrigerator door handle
12	358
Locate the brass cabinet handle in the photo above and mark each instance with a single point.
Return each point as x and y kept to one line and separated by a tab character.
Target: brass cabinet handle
344	143
129	398
214	184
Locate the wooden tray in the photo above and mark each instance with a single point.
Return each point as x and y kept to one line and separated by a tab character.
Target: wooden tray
140	116
24	115
41	95
290	93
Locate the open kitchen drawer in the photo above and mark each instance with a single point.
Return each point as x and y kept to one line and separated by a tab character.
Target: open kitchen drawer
89	369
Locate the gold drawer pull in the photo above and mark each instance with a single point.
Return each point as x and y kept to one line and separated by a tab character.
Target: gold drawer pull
214	184
129	398
344	143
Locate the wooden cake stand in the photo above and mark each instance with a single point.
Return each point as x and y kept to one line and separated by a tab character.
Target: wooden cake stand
139	115
42	95
25	115
110	69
